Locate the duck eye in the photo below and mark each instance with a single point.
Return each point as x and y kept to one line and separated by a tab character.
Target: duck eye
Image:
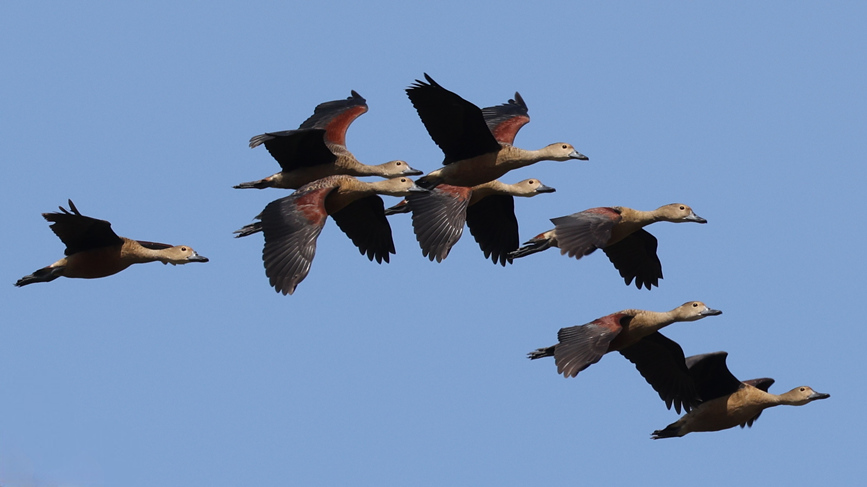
398	163
565	146
803	389
403	180
183	249
682	208
695	305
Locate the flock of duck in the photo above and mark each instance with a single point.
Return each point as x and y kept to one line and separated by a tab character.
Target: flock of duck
478	148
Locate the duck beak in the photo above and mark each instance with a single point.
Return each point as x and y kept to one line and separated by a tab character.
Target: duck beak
411	172
710	312
577	155
695	218
818	395
417	189
197	258
545	189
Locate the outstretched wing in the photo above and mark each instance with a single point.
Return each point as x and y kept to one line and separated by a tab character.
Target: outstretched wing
295	149
504	121
635	257
336	116
456	125
438	218
364	222
79	232
584	345
581	233
662	364
493	224
291	226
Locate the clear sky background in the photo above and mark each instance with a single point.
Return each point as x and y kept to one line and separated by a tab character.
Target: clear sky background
415	373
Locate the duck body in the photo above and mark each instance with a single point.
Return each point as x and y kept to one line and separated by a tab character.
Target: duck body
584	345
488	209
291	225
93	250
726	402
619	232
317	149
473	153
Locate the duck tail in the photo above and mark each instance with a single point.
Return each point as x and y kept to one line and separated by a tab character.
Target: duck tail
537	244
541	352
46	274
250	229
260	184
670	431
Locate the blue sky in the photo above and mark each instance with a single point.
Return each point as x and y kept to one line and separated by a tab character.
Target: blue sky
414	373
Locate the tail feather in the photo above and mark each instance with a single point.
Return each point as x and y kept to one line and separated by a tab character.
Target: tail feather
46	274
260	184
670	431
250	229
531	247
541	352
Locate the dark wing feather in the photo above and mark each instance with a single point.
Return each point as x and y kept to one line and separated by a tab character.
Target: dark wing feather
662	364
635	258
336	116
711	376
582	346
581	233
154	245
504	121
764	383
291	226
455	125
295	149
364	222
438	218
493	224
79	232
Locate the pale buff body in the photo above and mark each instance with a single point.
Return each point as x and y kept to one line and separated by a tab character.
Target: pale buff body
739	408
346	164
526	188
106	261
645	322
488	167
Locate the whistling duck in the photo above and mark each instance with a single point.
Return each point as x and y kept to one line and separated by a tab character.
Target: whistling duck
473	155
488	209
616	230
584	345
94	250
292	224
724	401
318	149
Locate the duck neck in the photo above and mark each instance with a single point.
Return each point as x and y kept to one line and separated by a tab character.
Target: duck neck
487	189
515	157
137	253
638	217
652	321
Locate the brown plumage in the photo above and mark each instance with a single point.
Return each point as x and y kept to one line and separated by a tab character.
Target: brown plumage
619	232
473	154
438	217
93	249
584	345
318	149
292	224
724	401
